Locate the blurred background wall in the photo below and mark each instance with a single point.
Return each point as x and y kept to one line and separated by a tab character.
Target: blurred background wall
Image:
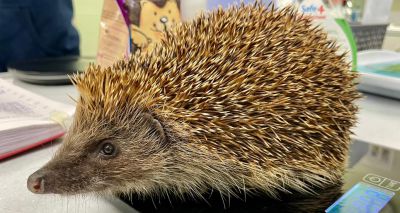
392	39
87	20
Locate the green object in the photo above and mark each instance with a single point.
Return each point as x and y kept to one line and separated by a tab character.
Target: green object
349	35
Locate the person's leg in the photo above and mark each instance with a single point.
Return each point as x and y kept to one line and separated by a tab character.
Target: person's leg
32	29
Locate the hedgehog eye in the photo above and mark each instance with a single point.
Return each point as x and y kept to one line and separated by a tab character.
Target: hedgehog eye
107	149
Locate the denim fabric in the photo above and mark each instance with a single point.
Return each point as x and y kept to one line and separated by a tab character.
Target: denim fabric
32	29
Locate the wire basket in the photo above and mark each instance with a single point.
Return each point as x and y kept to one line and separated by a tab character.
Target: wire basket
369	36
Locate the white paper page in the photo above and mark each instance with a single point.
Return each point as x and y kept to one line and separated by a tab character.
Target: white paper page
18	106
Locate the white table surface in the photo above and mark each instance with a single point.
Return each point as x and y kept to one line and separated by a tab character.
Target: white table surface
379	123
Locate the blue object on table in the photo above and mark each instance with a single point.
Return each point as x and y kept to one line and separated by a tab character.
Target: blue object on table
362	198
32	29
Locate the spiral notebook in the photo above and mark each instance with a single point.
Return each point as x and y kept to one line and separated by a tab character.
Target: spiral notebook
28	120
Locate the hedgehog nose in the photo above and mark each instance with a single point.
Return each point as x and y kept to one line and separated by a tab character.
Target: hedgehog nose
36	182
164	19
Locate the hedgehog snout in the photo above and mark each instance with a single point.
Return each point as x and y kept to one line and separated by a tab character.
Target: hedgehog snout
36	182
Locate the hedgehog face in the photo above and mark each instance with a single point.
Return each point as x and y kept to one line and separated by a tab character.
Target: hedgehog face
104	156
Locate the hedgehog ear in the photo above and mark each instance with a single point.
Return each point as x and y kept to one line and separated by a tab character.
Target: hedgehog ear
155	126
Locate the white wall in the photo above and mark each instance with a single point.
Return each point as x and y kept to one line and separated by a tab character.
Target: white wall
190	8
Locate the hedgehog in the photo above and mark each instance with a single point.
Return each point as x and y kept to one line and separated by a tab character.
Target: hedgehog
251	99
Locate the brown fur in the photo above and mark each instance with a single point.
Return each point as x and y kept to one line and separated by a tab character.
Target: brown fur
248	99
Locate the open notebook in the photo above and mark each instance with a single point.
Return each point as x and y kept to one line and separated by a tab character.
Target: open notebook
28	120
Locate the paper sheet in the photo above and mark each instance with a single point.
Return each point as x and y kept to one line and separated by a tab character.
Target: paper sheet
19	107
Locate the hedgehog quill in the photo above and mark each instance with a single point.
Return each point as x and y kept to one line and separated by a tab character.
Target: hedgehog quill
248	99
